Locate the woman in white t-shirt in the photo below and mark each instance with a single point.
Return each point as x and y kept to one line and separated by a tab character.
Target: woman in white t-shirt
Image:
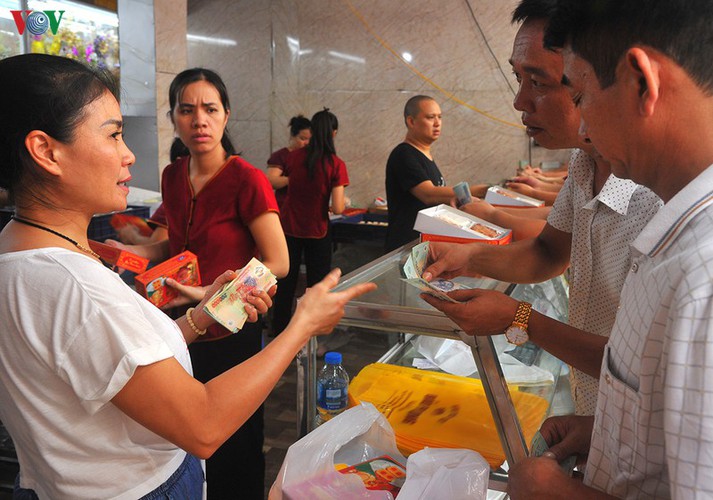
96	387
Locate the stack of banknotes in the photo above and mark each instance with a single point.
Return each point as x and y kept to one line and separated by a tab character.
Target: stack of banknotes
413	270
462	192
227	306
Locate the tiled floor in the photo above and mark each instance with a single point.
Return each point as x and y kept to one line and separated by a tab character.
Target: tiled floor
280	424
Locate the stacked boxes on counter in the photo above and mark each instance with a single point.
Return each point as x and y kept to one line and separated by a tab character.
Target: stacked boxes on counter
501	197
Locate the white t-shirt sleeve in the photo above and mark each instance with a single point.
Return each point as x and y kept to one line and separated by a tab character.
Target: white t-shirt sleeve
104	353
102	331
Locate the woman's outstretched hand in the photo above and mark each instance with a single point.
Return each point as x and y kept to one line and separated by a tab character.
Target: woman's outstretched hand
319	310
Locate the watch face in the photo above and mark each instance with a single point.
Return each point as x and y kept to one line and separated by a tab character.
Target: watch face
516	335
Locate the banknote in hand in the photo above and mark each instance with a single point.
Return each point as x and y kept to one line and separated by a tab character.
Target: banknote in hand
227	306
462	192
413	269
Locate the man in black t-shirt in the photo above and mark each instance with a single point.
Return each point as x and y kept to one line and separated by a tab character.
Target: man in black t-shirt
413	181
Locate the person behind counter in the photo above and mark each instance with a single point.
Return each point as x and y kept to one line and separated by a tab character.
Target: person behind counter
300	134
592	224
316	173
413	180
222	209
95	382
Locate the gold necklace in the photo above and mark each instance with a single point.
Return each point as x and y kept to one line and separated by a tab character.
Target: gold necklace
57	233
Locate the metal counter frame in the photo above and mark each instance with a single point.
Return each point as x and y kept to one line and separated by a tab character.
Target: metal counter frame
401	318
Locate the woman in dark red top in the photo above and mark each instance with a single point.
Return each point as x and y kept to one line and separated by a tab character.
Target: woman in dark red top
300	135
222	209
315	174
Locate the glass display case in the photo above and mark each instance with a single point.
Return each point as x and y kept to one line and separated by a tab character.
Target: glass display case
423	337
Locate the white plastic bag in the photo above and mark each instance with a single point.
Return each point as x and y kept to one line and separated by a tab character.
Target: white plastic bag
359	434
445	474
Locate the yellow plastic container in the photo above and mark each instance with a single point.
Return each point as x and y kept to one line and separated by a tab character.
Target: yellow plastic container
439	410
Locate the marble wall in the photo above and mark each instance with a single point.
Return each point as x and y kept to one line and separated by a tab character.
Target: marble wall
170	20
138	82
152	35
283	57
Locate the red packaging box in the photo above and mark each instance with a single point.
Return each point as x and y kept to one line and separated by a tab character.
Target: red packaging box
119	258
453	239
182	268
118	221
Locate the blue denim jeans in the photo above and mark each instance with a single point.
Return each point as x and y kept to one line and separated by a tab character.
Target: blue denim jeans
184	484
23	493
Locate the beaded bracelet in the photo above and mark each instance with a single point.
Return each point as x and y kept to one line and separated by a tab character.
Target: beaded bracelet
189	318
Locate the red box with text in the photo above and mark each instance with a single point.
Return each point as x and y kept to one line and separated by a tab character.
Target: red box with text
182	268
119	258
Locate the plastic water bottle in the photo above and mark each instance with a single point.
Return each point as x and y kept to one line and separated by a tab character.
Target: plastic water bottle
332	388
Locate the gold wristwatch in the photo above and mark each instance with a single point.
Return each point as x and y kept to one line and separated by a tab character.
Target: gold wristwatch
516	333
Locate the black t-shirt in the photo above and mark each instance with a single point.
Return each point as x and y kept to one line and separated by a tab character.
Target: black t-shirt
406	168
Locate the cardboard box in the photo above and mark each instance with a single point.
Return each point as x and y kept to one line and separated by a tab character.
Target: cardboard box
445	223
452	239
182	268
119	258
118	221
499	196
100	227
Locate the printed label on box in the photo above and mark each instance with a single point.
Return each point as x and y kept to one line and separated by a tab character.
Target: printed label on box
119	258
380	473
182	268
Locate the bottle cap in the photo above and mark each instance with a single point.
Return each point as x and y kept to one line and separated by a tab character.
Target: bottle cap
333	358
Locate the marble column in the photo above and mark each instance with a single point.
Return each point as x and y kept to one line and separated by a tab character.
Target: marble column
152	38
171	58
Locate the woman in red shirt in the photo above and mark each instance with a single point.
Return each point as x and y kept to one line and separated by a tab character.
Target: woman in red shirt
315	174
222	209
300	135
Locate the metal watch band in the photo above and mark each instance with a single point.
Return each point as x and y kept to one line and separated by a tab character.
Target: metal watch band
522	316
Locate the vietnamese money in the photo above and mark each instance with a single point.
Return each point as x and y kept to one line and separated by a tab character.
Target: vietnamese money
227	306
413	270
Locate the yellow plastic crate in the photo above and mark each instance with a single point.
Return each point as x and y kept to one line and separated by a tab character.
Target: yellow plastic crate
439	410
